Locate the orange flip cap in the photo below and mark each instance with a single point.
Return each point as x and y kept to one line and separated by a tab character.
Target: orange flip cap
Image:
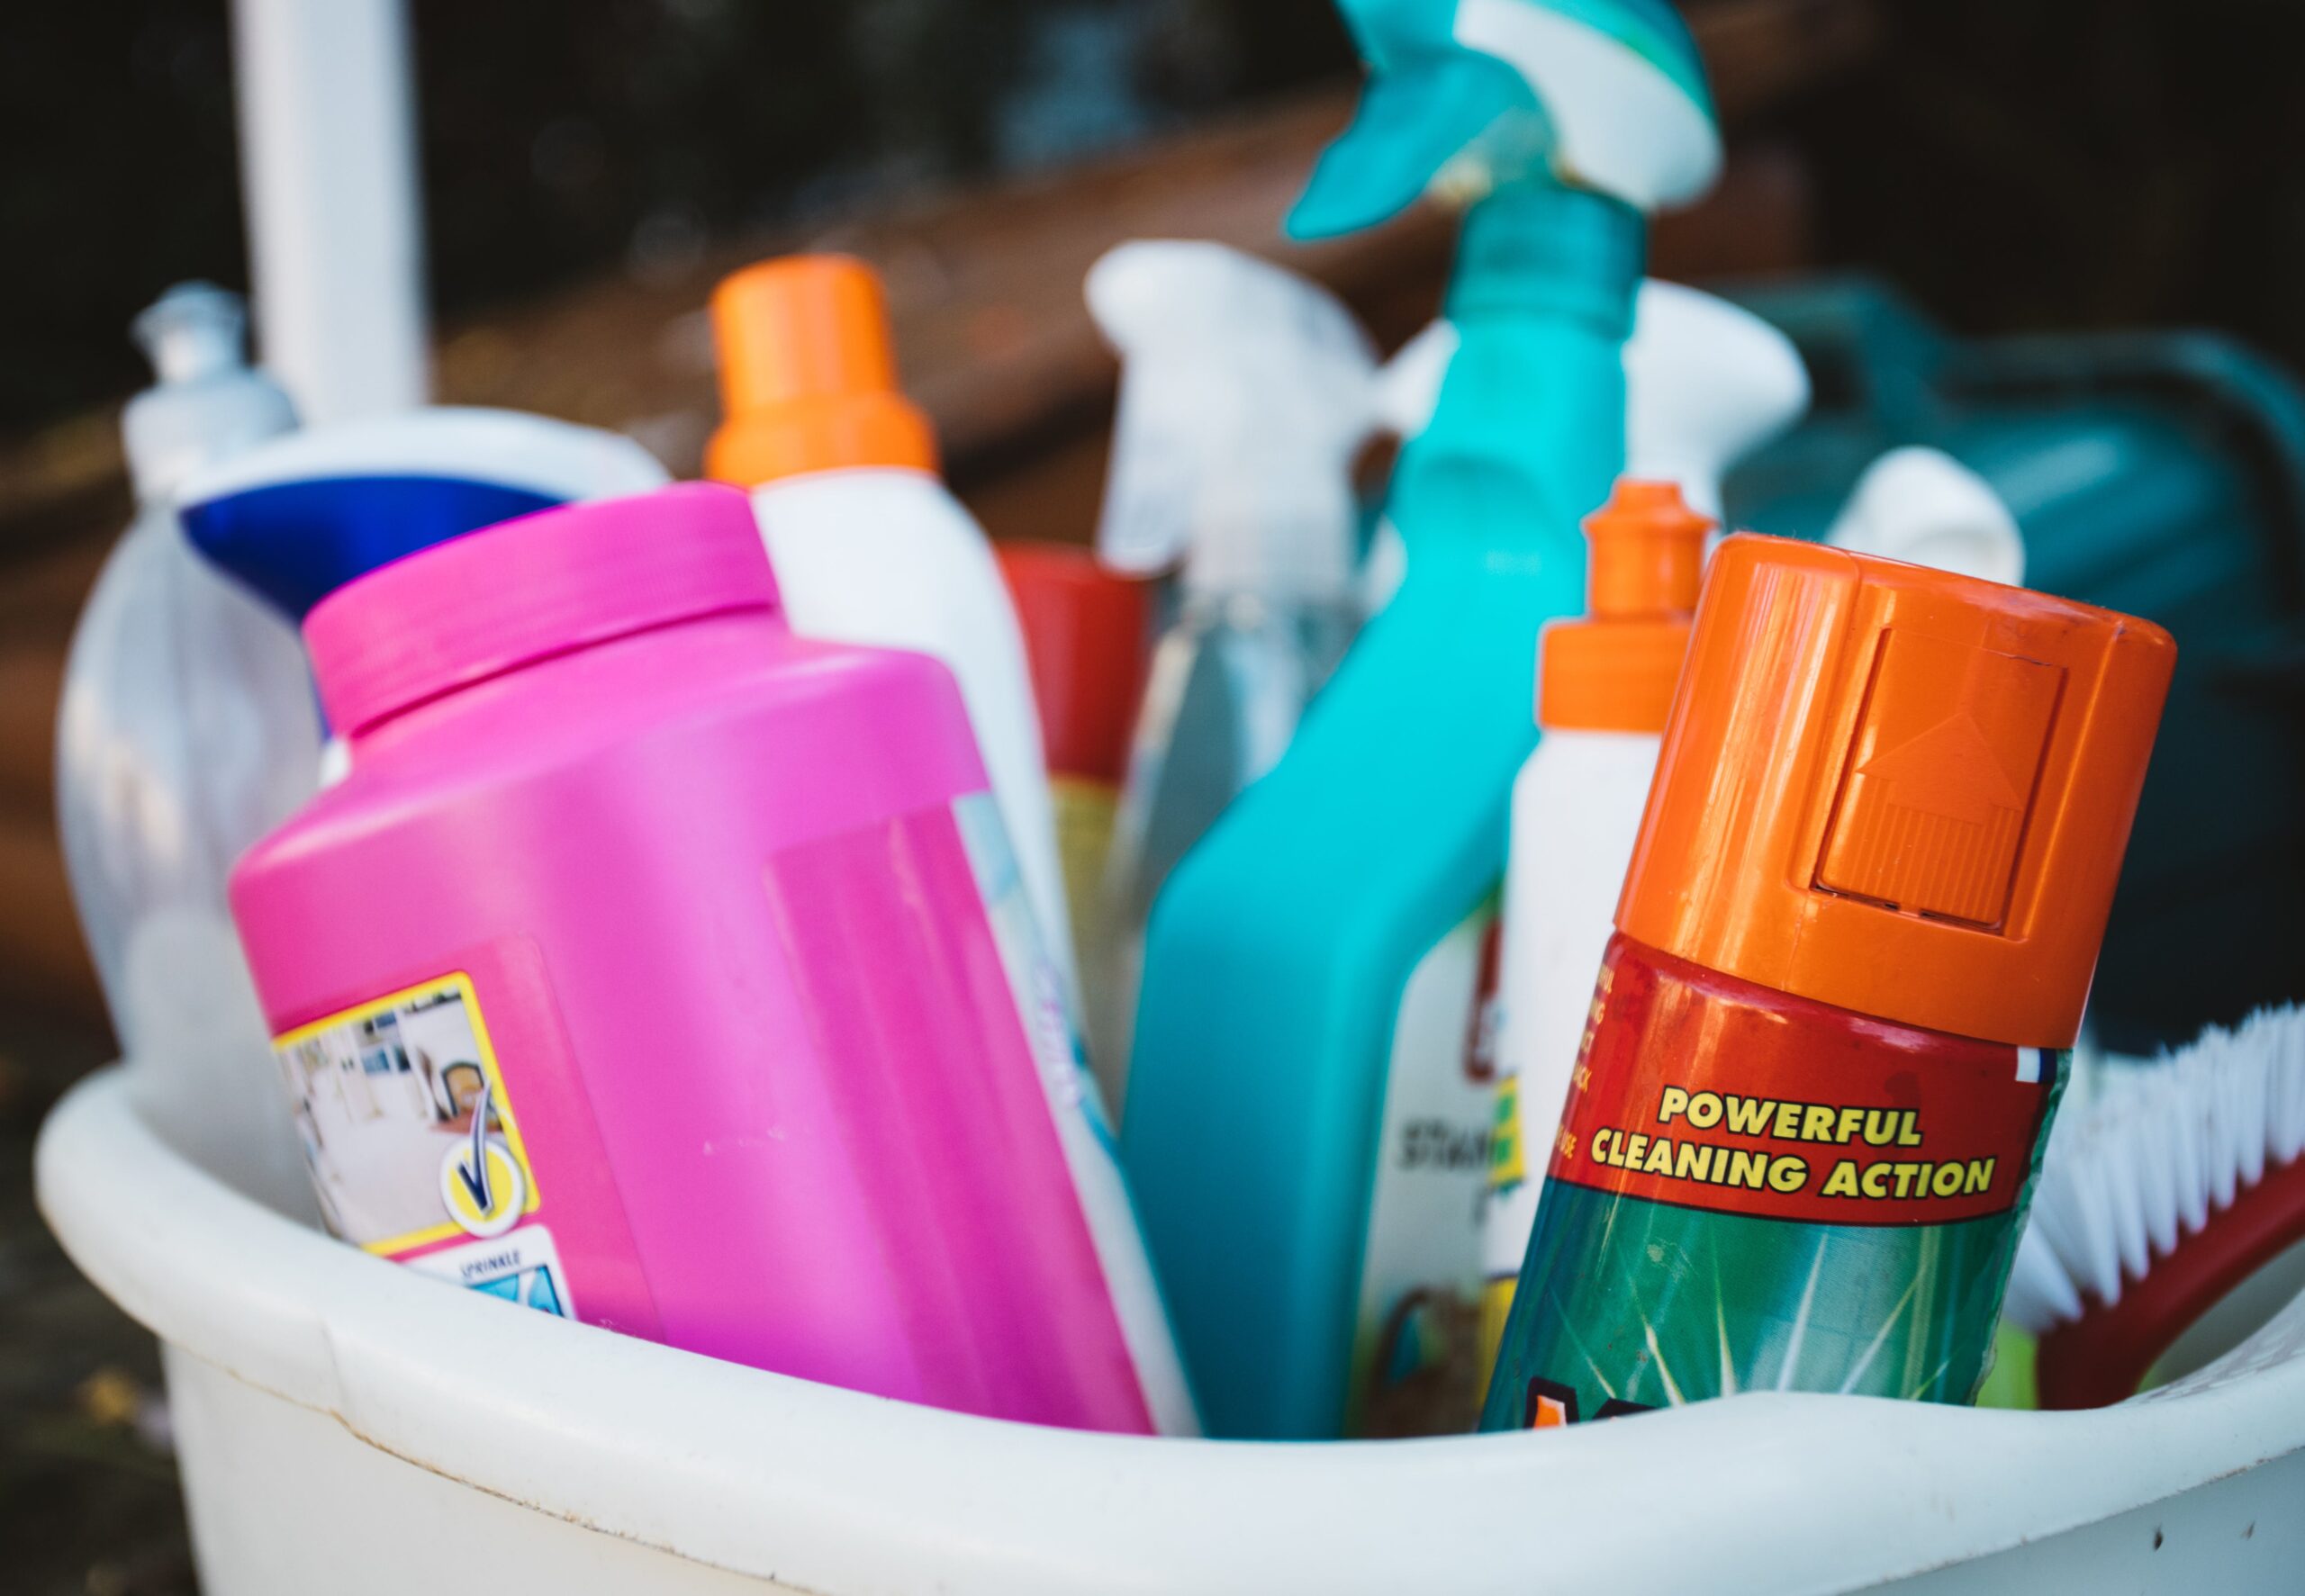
1614	670
1896	790
807	376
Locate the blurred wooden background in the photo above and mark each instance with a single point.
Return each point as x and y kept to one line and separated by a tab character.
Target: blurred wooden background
985	287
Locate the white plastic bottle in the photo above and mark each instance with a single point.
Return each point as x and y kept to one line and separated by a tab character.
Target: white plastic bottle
296	517
1923	507
187	729
1603	686
1245	393
868	545
299	517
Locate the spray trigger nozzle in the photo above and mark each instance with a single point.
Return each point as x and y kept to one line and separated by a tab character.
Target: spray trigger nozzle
1246	391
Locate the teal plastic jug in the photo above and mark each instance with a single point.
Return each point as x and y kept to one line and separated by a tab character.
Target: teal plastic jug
2157	472
1310	1090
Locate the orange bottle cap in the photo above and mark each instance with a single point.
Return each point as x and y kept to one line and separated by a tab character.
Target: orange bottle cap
1614	670
1896	790
808	377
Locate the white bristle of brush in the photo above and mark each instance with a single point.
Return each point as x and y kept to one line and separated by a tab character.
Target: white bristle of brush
2154	1151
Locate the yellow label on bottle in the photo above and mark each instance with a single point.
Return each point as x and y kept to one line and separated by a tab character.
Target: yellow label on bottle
1507	1166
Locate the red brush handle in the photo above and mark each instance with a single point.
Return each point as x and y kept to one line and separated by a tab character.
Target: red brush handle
2101	1357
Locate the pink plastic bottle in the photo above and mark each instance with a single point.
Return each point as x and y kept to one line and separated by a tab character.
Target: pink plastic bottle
661	970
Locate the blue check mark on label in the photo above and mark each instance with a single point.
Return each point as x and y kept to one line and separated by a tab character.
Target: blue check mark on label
473	1169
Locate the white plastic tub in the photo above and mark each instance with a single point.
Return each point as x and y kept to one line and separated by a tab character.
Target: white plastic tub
348	1426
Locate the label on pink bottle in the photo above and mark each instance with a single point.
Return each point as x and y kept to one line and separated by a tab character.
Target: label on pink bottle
418	1153
408	1126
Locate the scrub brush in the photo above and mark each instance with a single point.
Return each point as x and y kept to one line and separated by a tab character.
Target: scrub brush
2167	1185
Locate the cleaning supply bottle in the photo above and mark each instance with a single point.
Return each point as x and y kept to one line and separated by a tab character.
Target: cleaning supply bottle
1088	638
1923	506
656	968
1245	393
186	728
1605	684
868	545
2159	472
1828	1039
298	518
1706	384
1311	1088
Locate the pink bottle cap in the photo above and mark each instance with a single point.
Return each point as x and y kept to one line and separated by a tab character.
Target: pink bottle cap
560	579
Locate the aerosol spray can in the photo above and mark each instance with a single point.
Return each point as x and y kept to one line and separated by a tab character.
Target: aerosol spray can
1829	1035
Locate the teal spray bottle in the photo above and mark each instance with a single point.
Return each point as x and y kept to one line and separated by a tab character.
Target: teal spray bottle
1310	1096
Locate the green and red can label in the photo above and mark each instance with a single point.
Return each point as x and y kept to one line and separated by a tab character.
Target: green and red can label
1752	1191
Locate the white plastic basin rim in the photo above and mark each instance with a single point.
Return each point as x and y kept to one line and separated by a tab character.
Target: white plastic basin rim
838	1493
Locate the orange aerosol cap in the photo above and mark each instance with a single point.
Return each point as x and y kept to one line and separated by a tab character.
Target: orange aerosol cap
1897	791
1614	670
807	374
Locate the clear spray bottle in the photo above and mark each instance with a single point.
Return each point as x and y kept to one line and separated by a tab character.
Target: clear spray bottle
1246	391
187	729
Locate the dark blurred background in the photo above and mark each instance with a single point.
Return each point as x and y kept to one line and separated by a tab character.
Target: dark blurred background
566	138
589	165
2015	163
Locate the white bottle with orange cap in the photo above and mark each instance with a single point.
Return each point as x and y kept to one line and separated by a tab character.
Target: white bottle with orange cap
868	545
1605	684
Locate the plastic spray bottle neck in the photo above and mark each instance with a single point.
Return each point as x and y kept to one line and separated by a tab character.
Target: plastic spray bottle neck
1283	536
1529	429
1548	251
209	403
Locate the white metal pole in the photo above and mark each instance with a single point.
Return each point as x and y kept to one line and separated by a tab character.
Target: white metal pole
327	163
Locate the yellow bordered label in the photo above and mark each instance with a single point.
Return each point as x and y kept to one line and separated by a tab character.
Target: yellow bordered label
439	1135
1507	1161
